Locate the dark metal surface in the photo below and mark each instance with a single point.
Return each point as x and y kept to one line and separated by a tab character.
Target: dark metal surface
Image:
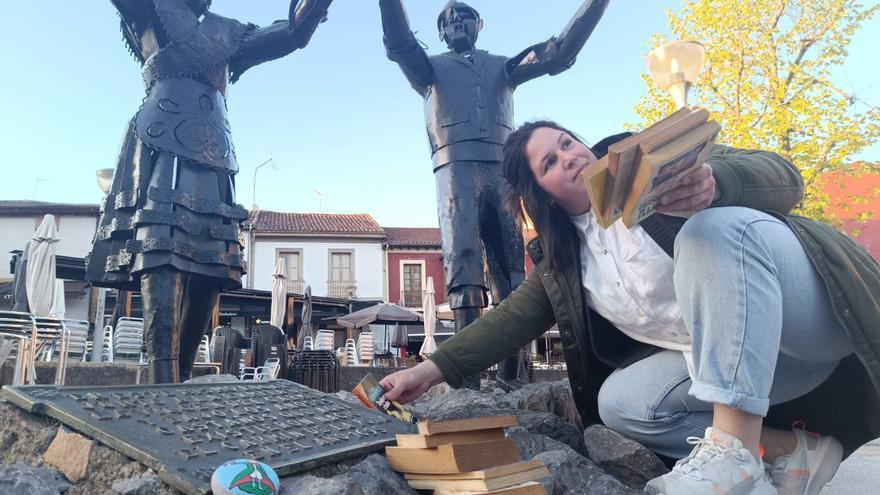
186	431
172	203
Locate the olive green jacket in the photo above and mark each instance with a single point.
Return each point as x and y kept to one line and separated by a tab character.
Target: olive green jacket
847	405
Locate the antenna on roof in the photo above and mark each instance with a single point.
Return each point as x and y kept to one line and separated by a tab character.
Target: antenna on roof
318	196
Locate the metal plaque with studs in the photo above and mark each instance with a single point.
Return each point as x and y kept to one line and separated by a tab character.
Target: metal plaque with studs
186	431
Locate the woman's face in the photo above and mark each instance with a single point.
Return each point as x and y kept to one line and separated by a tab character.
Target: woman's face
557	159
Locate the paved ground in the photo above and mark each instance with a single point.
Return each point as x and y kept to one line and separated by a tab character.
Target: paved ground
859	474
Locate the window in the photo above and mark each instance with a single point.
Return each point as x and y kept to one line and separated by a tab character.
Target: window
412	284
294	266
341	282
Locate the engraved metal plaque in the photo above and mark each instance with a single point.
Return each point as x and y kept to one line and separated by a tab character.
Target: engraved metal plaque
186	431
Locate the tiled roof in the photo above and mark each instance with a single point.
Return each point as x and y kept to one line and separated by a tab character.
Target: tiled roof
402	237
25	207
314	223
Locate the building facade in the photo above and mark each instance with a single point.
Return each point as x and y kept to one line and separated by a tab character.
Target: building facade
337	255
413	255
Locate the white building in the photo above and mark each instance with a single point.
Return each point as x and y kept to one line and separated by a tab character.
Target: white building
338	255
76	225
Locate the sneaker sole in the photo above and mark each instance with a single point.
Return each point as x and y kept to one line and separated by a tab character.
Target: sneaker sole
831	455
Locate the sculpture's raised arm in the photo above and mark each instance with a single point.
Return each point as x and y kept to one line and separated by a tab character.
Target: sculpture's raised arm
131	10
559	52
281	37
402	46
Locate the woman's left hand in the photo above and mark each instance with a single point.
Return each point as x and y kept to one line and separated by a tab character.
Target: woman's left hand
696	192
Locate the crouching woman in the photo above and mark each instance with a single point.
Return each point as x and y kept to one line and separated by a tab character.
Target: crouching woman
704	339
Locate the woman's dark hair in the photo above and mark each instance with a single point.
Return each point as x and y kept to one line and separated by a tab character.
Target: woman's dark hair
527	199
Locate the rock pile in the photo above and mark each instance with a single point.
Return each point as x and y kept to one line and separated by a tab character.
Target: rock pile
37	456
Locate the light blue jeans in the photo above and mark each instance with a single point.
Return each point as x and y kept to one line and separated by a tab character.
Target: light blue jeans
762	328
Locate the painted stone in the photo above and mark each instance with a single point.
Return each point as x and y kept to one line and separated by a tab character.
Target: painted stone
244	477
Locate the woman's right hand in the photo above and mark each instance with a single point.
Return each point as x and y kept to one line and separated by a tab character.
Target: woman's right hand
409	384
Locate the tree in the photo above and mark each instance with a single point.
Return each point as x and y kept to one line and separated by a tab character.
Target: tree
767	81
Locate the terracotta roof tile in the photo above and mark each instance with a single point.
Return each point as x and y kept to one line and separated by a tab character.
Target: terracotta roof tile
314	223
423	237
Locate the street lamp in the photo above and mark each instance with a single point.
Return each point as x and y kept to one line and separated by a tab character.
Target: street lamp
675	66
254	202
105	179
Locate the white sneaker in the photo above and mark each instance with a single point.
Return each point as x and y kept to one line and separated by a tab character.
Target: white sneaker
718	465
807	469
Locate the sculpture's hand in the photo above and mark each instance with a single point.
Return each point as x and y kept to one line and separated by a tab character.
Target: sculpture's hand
309	12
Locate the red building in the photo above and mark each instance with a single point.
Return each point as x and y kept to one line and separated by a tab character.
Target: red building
413	255
854	200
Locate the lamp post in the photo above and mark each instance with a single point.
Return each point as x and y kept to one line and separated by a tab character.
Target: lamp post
104	178
254	202
675	66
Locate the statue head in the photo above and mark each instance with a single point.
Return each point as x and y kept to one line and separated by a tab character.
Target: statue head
199	7
458	24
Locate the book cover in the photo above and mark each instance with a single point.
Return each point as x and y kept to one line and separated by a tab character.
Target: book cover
623	156
662	170
431	427
372	395
428	441
453	457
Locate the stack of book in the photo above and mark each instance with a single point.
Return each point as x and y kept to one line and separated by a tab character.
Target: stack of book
466	456
630	180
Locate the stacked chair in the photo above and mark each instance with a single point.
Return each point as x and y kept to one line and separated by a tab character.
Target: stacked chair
78	342
51	338
128	339
351	355
21	329
366	350
324	340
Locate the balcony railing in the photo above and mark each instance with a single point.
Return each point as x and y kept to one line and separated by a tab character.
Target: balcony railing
411	298
296	286
342	289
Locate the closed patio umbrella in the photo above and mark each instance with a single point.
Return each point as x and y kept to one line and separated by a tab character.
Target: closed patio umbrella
19	286
40	281
429	345
306	326
279	295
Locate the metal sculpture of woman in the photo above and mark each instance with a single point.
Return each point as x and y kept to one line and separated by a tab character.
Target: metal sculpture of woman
170	224
469	113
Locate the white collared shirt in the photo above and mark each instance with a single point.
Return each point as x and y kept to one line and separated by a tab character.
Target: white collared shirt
628	280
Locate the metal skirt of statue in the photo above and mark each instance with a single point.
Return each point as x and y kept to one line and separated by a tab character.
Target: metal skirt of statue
170	229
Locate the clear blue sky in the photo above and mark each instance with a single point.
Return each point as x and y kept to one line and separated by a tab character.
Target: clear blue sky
336	116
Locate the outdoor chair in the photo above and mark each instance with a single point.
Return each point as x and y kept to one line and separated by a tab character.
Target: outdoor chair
128	339
21	328
107	344
78	343
324	340
366	349
351	355
203	354
269	370
52	337
308	343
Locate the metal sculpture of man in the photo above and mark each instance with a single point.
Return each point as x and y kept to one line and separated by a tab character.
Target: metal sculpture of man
469	113
170	224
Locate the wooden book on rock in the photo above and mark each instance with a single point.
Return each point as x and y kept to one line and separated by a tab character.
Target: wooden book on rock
453	457
528	488
485	480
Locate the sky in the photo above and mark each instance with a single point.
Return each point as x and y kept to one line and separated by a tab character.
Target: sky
336	117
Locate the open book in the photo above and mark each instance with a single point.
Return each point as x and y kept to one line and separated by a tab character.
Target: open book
629	181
